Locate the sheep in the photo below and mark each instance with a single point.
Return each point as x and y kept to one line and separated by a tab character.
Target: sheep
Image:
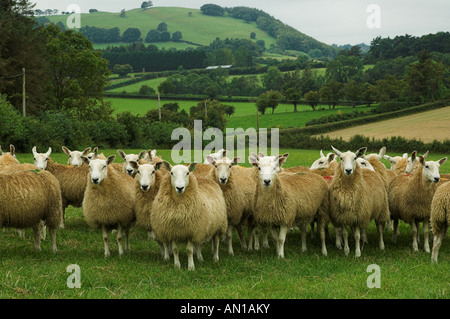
28	197
150	157
72	179
282	199
410	198
323	161
188	209
356	197
75	156
398	163
238	191
440	217
216	156
412	163
126	167
109	201
375	161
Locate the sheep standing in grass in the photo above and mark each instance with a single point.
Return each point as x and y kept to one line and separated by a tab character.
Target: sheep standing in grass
440	217
238	191
27	197
410	198
356	197
398	163
75	156
284	199
188	209
109	201
126	167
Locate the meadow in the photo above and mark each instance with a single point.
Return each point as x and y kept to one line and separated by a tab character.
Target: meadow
142	273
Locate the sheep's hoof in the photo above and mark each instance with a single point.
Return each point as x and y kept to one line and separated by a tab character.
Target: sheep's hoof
177	265
346	251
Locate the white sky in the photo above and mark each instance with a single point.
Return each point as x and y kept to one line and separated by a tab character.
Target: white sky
329	21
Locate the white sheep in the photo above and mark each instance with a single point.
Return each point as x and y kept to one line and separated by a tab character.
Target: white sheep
413	163
238	191
216	156
126	166
410	198
440	217
188	209
324	161
356	197
75	156
284	199
109	201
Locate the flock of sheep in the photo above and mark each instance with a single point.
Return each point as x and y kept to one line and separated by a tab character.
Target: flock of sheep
203	202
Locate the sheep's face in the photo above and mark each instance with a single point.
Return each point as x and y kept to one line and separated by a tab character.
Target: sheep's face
179	177
349	159
128	158
216	156
145	174
222	167
364	164
323	161
41	159
75	156
98	169
430	169
267	168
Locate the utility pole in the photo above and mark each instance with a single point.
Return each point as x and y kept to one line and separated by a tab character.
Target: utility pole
159	107
206	111
257	121
24	107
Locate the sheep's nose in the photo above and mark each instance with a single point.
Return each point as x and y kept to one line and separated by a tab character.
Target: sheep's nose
129	171
95	180
179	189
267	182
436	179
348	171
223	180
144	187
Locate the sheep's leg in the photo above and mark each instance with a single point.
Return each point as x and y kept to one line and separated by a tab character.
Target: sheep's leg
322	231
166	251
303	232
252	232
265	237
437	244
105	240
190	255
357	234
418	231
216	248
198	250
119	240
52	233
345	236
338	231
230	240
282	239
364	239
241	236
426	236
414	235
274	233
21	233
380	227
42	229
312	230
37	237
176	255
396	232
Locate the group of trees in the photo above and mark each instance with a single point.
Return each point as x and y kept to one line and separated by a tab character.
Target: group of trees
161	34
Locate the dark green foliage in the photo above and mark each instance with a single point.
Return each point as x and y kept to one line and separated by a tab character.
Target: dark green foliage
212	10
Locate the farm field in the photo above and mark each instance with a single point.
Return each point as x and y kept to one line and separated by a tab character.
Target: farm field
426	126
142	273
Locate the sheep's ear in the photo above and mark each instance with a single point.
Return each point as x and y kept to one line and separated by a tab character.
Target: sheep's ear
405	155
223	152
48	152
152	154
210	159
253	160
260	154
85	159
321	154
65	150
167	165
413	155
192	166
121	153
281	161
426	154
336	151
110	159
33	150
361	152
382	152
422	160
442	161
1	152
286	155
330	157
255	155
95	156
134	164
141	154
12	149
87	150
158	165
236	160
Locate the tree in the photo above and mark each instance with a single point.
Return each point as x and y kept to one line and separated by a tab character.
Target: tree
122	69
153	36
93	10
164	36
369	94
122	13
212	10
252	35
388	88
273	79
177	36
352	91
146	90
344	68
131	35
331	93
293	95
312	98
146	4
269	99
162	27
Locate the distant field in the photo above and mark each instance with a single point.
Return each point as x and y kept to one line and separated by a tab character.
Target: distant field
426	126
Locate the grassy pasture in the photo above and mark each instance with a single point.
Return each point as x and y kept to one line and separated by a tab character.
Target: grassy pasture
142	273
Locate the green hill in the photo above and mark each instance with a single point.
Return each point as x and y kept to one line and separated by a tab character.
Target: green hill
195	26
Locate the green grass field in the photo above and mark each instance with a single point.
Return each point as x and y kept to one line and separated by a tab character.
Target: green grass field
197	27
142	273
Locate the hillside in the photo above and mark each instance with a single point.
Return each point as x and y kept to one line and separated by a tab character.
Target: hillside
195	27
426	126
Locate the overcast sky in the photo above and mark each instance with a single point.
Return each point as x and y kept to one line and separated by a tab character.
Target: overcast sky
329	21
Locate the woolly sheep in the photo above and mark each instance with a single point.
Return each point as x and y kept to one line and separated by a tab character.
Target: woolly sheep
356	197
412	162
28	197
284	199
126	167
410	198
398	163
109	201
188	209
323	161
238	191
216	156
75	156
440	217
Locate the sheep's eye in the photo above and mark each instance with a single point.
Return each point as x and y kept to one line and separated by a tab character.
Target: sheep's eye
354	158
187	173
171	173
104	167
34	159
427	166
215	166
230	166
320	162
46	158
139	172
153	172
259	168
